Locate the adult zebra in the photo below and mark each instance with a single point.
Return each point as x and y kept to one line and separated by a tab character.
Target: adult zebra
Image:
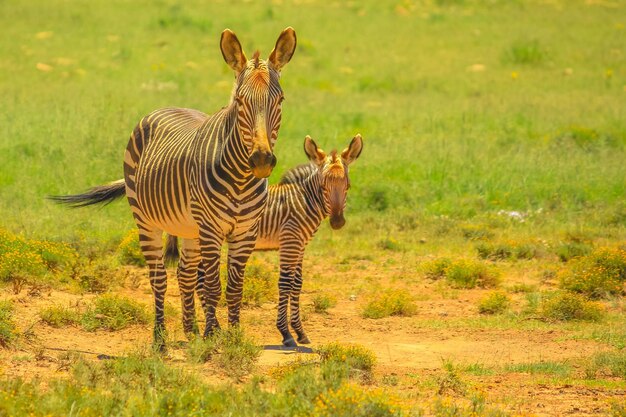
204	178
296	207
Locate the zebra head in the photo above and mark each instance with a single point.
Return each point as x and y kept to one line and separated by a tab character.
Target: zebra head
333	172
258	96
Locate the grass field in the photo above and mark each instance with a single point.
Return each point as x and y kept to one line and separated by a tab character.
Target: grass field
487	210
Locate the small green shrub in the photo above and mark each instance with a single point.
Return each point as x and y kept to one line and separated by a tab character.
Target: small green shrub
565	306
8	333
356	357
495	302
466	273
436	269
57	316
230	349
322	302
390	302
129	249
597	275
377	200
111	312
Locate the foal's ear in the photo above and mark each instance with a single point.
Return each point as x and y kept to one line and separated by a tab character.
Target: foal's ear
352	152
284	49
232	52
314	153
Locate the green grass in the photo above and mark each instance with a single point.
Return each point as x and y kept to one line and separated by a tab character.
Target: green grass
232	351
546	368
322	302
112	312
488	137
8	333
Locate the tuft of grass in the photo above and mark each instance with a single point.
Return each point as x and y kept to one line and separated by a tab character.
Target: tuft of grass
479	369
390	244
112	312
612	364
476	231
390	302
358	358
322	302
8	333
230	349
58	316
548	368
508	250
525	52
495	302
600	274
449	382
565	306
570	250
98	275
129	250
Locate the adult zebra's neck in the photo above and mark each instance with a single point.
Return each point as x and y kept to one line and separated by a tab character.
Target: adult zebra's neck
232	154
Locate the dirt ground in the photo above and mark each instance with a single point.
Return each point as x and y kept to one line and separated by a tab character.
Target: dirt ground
411	351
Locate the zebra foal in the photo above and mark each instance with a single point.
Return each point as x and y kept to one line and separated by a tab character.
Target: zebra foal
296	207
204	178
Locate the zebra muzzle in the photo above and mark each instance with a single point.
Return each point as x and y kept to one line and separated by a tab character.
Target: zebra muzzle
337	221
262	163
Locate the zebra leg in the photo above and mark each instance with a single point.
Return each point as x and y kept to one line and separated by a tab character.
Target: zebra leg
152	247
187	266
210	287
288	255
296	322
284	291
239	251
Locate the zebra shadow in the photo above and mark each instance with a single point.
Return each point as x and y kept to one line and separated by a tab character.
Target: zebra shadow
295	349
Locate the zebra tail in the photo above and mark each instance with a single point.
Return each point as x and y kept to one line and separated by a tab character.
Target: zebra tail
171	253
102	194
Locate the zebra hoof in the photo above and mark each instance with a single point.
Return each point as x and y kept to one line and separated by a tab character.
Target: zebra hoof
303	340
211	330
290	343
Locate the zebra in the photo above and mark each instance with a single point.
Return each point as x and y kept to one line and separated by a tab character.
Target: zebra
296	207
204	178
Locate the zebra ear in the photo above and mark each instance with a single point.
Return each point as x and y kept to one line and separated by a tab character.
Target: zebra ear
232	52
352	152
284	49
314	153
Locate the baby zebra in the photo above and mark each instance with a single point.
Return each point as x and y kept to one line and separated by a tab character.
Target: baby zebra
296	206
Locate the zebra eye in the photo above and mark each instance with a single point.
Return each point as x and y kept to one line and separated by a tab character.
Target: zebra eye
239	100
281	99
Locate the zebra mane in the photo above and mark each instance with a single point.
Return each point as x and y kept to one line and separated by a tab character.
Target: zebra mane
298	174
